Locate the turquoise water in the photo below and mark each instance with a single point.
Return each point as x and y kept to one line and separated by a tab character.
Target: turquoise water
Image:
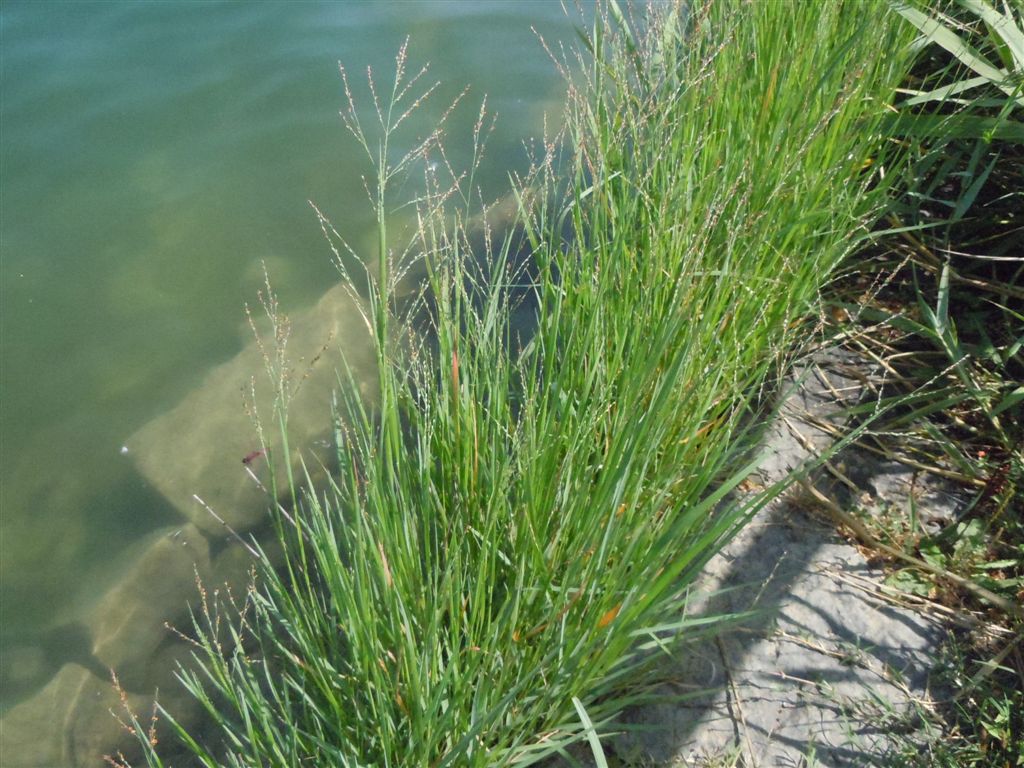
154	155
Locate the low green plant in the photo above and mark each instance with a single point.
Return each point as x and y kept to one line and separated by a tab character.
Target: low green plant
942	313
974	726
503	557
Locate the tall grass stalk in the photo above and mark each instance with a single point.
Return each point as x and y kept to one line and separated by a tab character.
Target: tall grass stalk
511	535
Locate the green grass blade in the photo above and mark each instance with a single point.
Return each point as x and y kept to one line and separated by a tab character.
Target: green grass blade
939	34
1008	29
591	734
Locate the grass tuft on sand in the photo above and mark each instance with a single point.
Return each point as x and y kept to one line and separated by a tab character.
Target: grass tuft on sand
502	560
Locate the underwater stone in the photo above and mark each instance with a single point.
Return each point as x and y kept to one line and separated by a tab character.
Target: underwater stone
199	446
28	661
21	668
129	622
68	724
234	564
159	678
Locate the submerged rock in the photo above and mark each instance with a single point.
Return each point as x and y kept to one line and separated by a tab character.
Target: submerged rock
208	444
22	666
28	661
234	565
129	623
69	723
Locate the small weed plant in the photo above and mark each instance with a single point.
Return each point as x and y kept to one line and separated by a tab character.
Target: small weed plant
948	326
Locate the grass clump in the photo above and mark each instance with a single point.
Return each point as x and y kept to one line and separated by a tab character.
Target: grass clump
506	547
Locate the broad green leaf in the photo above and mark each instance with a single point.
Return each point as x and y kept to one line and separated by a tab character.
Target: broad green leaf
942	307
592	738
944	93
932	554
949	127
997	564
946	38
910	582
1003	25
1011	400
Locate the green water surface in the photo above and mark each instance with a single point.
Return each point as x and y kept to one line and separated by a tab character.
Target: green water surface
153	156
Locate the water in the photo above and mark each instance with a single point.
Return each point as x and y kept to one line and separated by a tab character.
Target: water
154	155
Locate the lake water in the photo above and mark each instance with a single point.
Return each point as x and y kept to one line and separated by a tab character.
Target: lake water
154	155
